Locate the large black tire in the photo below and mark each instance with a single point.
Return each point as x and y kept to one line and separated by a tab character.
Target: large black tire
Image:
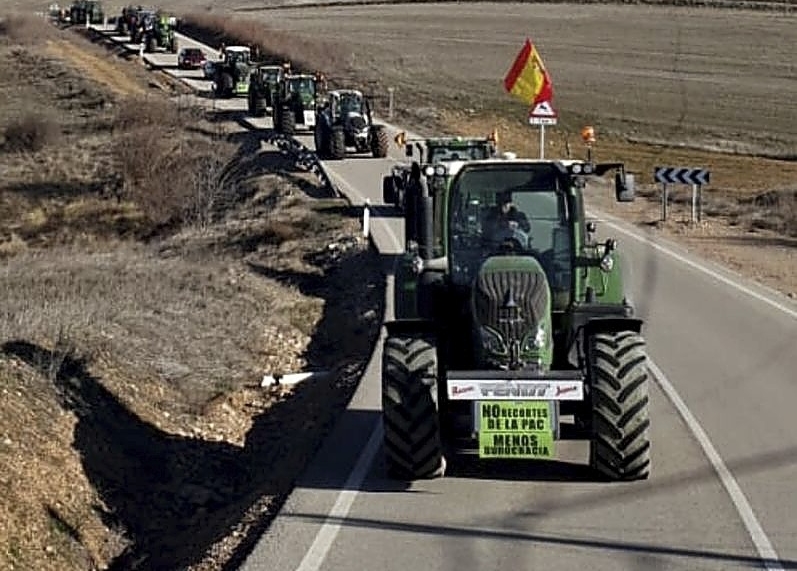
151	45
321	140
620	444
225	85
413	448
287	122
173	45
255	103
337	143
379	141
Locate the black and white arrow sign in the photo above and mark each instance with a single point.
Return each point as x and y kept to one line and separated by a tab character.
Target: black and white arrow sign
681	175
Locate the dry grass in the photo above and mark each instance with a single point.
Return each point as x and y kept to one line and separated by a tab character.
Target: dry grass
130	415
31	133
25	29
174	177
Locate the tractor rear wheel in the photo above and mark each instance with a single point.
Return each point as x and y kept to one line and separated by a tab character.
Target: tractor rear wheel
287	122
152	44
321	140
256	107
225	84
379	141
620	444
413	448
337	143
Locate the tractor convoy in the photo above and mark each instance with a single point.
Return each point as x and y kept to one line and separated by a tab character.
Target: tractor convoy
512	328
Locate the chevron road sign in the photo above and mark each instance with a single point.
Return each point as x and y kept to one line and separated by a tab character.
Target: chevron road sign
682	175
679	175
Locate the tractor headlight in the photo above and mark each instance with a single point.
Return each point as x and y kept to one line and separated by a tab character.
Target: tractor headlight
576	169
492	342
607	263
428	170
440	170
536	341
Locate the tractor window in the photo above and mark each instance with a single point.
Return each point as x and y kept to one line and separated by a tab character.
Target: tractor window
350	103
304	87
519	211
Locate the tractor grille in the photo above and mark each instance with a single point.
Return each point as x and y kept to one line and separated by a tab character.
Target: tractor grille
357	122
511	302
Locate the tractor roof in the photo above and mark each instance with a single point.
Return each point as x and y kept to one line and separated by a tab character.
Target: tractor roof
239	49
564	165
356	92
455	141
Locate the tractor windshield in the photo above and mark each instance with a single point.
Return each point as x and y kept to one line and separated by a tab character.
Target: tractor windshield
350	103
305	87
510	210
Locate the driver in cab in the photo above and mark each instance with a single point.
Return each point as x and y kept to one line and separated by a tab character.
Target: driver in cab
505	222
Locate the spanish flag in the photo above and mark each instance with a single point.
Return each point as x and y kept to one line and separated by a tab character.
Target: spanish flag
528	80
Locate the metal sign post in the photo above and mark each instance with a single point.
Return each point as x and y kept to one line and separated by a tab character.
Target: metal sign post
390	92
696	177
543	114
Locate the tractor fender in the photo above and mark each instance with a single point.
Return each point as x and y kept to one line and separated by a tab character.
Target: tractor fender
611	324
405	326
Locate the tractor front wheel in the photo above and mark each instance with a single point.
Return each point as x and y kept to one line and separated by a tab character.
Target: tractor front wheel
337	143
620	444
413	448
287	122
152	45
321	140
379	141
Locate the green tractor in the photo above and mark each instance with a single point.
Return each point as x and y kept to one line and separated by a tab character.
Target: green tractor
345	121
263	82
231	74
433	151
86	10
158	32
294	102
512	330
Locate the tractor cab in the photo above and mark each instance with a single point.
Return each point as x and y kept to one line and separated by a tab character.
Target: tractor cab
235	55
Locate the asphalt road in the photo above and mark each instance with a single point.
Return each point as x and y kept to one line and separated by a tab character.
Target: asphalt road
721	494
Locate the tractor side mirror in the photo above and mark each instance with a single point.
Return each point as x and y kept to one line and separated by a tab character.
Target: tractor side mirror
591	227
607	262
408	149
624	186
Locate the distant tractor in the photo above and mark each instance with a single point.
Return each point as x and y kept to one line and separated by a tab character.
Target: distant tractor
512	327
158	32
127	21
263	82
294	102
231	74
345	121
432	151
86	10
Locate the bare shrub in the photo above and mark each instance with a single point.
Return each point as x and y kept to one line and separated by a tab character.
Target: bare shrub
25	29
30	133
173	177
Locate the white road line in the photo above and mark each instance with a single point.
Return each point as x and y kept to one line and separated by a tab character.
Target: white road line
323	541
762	544
700	267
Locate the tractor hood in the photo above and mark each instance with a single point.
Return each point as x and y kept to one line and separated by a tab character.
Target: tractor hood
512	313
355	121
